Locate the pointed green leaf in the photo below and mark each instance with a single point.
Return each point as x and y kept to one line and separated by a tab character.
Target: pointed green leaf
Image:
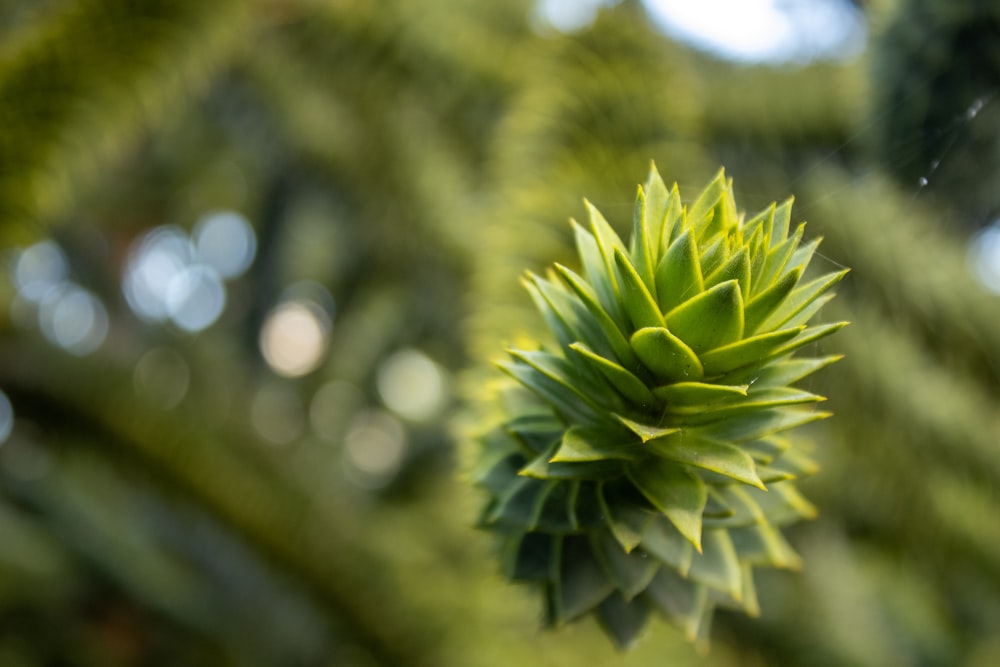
556	517
698	393
784	372
747	351
639	303
681	600
792	464
623	619
763	545
544	468
625	382
565	402
736	268
678	276
765	303
758	424
762	221
675	491
579	322
626	521
809	335
778	256
674	222
714	255
612	332
718	566
783	504
527	557
715	456
631	572
800	298
756	401
665	355
598	274
646	432
702	215
581	444
640	253
555	320
599	398
663	541
743	510
581	584
655	212
521	503
712	319
780	222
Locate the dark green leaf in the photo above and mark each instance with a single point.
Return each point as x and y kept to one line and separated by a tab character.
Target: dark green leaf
631	572
625	382
663	541
627	521
612	332
681	600
581	584
623	619
718	566
675	491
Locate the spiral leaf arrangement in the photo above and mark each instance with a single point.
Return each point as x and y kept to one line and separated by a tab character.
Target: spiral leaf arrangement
644	464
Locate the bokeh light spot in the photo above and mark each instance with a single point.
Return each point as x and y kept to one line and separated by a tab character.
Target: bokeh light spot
411	385
374	449
293	338
73	318
984	257
225	241
6	417
39	268
195	297
154	262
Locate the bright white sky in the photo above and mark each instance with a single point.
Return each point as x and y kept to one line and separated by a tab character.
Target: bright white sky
773	31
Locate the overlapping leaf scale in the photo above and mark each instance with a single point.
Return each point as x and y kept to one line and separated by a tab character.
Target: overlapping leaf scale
651	469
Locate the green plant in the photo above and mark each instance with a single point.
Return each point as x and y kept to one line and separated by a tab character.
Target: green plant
643	464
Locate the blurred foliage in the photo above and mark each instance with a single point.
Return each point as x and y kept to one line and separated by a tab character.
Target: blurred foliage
406	162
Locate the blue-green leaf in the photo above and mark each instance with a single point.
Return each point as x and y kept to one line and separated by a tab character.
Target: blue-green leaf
625	382
718	566
675	491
